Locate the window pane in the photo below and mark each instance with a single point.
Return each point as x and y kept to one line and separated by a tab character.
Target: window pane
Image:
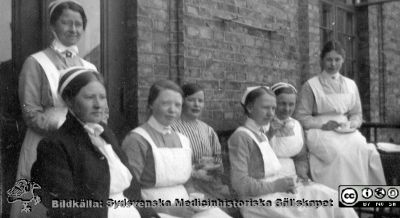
326	35
5	31
326	16
349	46
349	23
89	45
340	20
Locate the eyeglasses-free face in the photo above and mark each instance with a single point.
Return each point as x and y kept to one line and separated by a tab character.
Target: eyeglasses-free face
90	104
193	105
69	27
263	109
332	62
285	104
167	106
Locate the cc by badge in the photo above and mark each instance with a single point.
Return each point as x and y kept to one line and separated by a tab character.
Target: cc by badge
349	196
367	193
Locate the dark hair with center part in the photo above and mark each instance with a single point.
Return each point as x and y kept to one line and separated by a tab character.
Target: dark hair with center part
333	46
68	5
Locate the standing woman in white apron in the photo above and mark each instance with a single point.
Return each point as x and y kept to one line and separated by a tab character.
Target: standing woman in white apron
160	157
330	111
257	173
42	108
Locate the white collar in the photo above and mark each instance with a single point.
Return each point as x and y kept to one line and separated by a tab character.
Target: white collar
288	123
62	49
91	128
328	76
158	126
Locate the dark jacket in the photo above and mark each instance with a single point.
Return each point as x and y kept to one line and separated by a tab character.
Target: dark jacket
70	167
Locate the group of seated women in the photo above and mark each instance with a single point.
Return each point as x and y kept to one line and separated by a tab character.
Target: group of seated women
80	166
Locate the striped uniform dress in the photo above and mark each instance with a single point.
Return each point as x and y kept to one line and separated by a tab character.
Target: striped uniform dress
203	139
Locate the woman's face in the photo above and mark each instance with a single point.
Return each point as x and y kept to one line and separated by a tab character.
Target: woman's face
193	105
263	109
167	106
69	27
332	62
285	104
90	104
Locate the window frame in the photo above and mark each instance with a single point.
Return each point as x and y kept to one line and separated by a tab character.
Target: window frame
334	33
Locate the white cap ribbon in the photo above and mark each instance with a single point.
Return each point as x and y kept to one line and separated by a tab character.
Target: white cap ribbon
248	90
280	85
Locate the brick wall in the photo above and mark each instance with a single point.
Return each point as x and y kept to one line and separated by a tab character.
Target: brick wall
391	49
265	42
391	68
192	41
154	50
260	46
379	59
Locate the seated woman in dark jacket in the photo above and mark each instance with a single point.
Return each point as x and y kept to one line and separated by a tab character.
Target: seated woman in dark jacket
82	162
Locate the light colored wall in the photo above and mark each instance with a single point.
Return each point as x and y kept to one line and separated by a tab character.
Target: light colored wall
5	30
91	38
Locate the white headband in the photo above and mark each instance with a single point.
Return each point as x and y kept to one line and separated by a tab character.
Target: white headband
72	76
283	85
248	90
53	5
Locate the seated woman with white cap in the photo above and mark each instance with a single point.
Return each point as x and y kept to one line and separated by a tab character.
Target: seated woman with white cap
160	157
257	173
82	163
287	139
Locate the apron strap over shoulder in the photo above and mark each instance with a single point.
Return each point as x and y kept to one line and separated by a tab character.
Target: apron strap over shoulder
51	71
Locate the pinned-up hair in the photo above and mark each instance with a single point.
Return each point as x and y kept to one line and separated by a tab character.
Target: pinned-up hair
57	7
252	93
159	86
333	46
74	79
283	88
191	88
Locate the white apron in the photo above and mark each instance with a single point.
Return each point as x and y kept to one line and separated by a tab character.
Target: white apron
340	159
286	147
28	153
275	168
120	179
173	167
28	150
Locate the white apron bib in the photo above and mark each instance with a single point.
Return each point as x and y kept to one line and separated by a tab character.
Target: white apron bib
273	168
286	147
120	180
340	159
28	151
271	162
173	168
